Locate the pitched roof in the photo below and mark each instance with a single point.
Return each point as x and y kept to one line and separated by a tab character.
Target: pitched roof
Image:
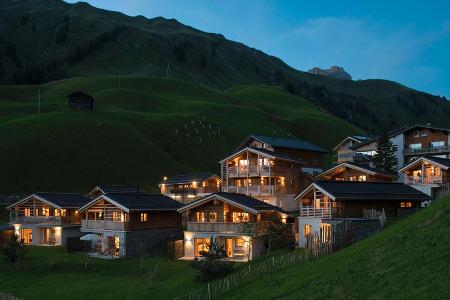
138	201
80	93
251	203
361	190
188	178
443	162
63	200
107	189
352	165
357	138
287	143
263	152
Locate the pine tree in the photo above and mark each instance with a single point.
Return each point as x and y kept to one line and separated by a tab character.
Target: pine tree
385	158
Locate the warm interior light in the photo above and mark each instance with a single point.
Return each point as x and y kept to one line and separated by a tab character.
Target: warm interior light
164	178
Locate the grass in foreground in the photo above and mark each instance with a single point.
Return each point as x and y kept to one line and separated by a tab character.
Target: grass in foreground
408	260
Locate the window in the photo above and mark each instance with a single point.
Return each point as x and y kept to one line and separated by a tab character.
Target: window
117	216
200	216
240	217
144	217
362	178
438	144
415	146
243	162
416	133
63	212
352	178
27	212
406	204
307	229
46	212
263	161
239	242
423	133
212	216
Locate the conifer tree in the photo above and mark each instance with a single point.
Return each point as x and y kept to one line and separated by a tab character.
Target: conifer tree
385	158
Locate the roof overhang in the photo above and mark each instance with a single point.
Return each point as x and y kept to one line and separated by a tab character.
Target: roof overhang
106	198
31	197
311	188
184	182
421	160
347	138
256	151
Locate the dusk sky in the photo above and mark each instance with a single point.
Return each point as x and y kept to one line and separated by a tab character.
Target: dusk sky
405	41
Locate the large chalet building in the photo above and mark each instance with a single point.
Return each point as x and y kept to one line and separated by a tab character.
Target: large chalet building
271	169
189	187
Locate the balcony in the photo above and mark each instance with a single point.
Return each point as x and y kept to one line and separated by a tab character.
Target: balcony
425	180
251	170
255	190
353	156
195	191
103	225
255	229
311	212
43	220
430	150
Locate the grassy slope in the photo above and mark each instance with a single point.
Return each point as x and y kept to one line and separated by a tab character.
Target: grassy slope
408	260
137	133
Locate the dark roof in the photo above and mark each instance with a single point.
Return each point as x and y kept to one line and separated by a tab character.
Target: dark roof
248	201
439	160
5	227
288	143
65	199
144	201
108	189
360	138
184	178
78	93
369	168
276	154
360	190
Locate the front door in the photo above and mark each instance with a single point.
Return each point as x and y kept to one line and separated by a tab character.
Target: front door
114	245
26	236
229	247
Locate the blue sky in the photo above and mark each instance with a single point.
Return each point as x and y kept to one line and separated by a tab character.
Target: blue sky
404	41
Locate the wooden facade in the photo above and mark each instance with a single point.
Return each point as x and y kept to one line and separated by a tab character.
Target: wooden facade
425	141
352	172
188	191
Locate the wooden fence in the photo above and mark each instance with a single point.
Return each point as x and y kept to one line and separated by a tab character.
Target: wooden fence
175	249
8	296
329	239
373	214
252	271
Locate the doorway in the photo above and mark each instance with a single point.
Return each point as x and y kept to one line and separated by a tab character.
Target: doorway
114	245
26	235
229	247
49	236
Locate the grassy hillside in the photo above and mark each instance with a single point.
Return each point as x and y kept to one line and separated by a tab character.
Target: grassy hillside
408	260
45	40
141	130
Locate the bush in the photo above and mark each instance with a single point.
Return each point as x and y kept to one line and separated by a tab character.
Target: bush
13	250
212	269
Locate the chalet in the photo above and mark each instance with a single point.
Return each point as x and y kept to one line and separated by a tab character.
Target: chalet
271	169
349	171
430	175
114	189
81	101
47	218
344	147
411	142
327	203
130	224
189	187
236	221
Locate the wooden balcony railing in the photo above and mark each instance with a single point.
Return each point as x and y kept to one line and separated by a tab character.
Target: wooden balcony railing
420	151
252	170
257	229
103	225
423	180
255	190
44	220
323	212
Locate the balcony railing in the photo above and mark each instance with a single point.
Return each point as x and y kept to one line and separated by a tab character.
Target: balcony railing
323	212
256	190
44	220
251	170
423	180
103	225
420	151
256	229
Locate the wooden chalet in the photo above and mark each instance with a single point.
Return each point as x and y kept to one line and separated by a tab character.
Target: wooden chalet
130	224
349	171
271	169
114	189
236	221
189	187
340	150
81	101
47	218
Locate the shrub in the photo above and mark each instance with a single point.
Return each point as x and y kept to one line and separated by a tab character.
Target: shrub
13	250
212	269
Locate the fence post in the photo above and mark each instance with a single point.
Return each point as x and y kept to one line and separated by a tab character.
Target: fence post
209	292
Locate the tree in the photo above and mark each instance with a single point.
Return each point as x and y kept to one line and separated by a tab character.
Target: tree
385	158
277	232
13	250
212	266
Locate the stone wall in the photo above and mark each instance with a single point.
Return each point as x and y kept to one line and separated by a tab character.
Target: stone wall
364	228
150	240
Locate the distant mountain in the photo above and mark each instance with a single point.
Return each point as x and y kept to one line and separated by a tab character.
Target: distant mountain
46	40
333	72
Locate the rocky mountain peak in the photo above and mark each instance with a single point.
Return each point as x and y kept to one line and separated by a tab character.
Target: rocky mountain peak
335	72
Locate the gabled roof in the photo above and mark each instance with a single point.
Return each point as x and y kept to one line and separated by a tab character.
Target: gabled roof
264	152
59	200
189	178
357	138
81	93
108	189
362	168
284	143
137	201
240	200
442	162
363	191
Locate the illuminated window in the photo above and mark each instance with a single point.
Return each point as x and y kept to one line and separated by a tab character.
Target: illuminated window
352	178
63	212
116	216
407	204
240	217
416	133
200	216
415	146
239	242
212	216
243	162
27	212
307	229
46	211
362	178
144	217
438	144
